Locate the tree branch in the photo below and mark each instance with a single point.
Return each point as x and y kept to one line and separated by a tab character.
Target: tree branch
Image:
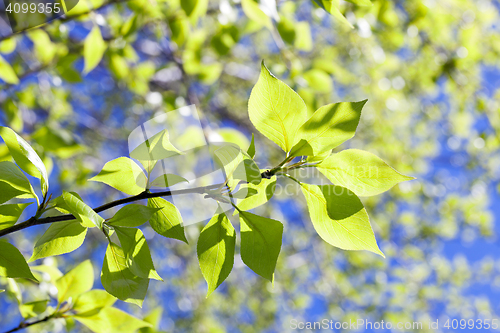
32	221
24	324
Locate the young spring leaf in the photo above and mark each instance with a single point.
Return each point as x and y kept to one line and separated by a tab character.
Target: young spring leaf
124	175
327	128
111	320
167	180
251	148
333	7
155	148
265	191
92	300
339	217
276	110
93	49
7	74
33	309
12	263
118	279
77	281
361	2
168	220
7	192
137	252
25	156
132	215
361	172
60	238
10	174
260	243
9	214
216	250
253	12
154	318
237	165
81	211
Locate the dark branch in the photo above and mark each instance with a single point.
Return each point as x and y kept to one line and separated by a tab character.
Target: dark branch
24	325
32	221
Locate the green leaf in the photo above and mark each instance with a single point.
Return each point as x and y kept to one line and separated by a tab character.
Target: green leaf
12	175
51	271
111	320
137	254
155	148
132	215
361	2
12	263
7	74
8	192
33	309
25	156
244	192
9	214
60	238
93	49
118	279
81	211
216	250
194	9
124	175
77	281
260	243
318	158
339	217
167	180
265	191
253	12
167	221
92	301
328	127
251	148
361	172
276	110
319	80
333	7
237	165
154	318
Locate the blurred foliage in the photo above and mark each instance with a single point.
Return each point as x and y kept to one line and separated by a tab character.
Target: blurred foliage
427	69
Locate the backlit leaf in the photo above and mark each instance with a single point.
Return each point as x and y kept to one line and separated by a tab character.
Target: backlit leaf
124	175
77	281
361	172
168	220
12	263
339	217
260	243
216	250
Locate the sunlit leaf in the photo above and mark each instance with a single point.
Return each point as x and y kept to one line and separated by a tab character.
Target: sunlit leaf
132	215
77	281
276	110
81	211
118	280
111	320
60	238
25	157
167	221
328	127
93	49
12	263
124	175
339	217
137	252
260	243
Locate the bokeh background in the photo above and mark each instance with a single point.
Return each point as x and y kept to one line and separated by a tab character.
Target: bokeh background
430	71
